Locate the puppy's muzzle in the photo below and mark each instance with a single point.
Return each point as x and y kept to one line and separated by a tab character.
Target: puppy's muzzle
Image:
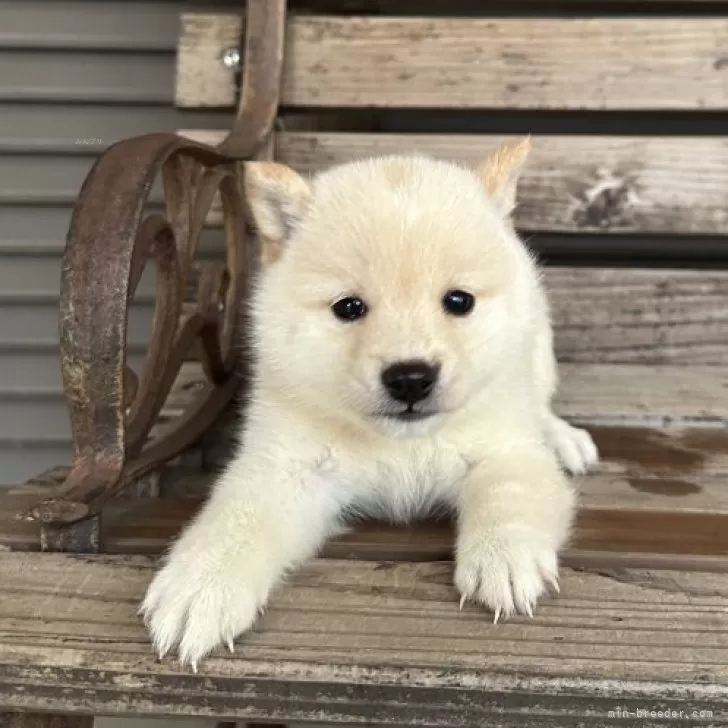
410	381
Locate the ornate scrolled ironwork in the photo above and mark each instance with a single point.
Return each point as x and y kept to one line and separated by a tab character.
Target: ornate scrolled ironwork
110	242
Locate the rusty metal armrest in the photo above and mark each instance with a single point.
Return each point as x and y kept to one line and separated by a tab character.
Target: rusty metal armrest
109	244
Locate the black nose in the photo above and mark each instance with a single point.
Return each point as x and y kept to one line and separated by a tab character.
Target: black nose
410	381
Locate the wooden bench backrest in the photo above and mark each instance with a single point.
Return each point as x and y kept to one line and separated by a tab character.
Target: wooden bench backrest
357	86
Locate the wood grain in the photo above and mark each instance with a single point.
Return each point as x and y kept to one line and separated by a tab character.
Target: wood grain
498	63
596	63
636	395
571	183
640	316
587	184
384	643
203	80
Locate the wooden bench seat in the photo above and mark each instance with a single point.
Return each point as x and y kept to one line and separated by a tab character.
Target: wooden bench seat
370	632
375	643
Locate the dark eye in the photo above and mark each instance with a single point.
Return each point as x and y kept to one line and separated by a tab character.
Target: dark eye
350	308
458	303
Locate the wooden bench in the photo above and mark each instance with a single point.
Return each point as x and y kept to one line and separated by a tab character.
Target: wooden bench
371	632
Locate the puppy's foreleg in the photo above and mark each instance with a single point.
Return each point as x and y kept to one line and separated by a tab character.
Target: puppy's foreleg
266	514
573	446
515	513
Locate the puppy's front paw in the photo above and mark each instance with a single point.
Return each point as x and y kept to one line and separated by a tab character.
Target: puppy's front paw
506	570
573	446
197	602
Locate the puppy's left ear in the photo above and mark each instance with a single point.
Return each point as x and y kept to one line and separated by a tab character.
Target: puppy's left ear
501	170
277	198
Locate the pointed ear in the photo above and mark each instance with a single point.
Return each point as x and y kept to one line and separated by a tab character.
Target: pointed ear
501	170
277	198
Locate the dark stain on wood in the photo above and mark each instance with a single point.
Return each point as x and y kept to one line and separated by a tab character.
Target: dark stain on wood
655	450
709	441
610	207
651	532
664	486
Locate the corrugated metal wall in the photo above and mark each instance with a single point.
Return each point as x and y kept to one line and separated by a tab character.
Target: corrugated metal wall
75	76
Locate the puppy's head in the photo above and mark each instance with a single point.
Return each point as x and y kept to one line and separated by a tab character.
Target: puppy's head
393	289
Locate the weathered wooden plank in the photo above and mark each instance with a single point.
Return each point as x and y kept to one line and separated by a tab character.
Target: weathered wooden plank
623	395
635	316
571	183
586	184
598	63
654	396
381	643
205	77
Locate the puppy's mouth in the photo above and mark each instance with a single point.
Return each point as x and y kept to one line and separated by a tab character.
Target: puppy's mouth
409	415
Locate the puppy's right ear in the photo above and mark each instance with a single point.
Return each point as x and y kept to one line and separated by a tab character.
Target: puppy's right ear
278	198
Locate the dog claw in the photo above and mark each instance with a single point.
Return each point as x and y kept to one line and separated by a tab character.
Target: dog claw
497	615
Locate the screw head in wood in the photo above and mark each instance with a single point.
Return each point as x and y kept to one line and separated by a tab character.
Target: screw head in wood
231	58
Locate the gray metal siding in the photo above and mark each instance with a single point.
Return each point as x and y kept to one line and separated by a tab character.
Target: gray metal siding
75	76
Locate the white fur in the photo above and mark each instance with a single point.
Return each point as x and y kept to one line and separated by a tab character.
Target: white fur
398	232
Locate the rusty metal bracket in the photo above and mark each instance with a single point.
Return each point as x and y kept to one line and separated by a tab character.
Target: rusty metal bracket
264	42
110	242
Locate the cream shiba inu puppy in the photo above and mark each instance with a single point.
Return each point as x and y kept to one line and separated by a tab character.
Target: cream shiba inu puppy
403	358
